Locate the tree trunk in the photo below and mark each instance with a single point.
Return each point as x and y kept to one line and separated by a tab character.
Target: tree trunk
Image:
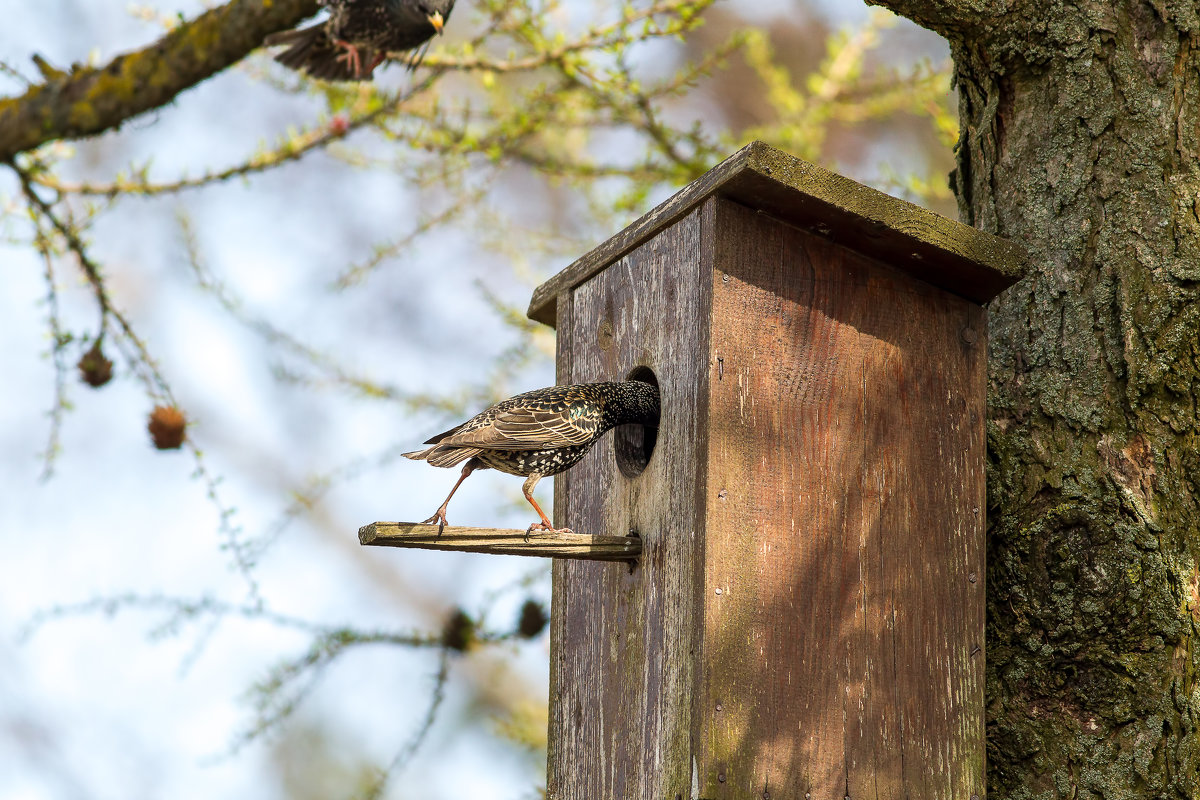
1080	129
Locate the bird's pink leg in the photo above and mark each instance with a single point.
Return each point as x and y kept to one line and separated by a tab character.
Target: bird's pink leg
375	62
350	58
439	516
545	524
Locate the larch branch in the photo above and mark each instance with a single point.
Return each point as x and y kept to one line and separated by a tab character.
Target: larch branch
90	100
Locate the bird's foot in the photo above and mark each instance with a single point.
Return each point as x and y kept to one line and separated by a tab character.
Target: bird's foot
351	59
440	518
544	528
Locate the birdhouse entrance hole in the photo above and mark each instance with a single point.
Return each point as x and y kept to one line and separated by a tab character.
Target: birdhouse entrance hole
634	444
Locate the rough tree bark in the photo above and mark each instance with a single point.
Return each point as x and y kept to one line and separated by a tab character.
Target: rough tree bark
1080	130
88	100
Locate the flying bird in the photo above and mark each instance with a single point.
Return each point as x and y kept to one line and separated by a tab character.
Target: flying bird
539	433
359	34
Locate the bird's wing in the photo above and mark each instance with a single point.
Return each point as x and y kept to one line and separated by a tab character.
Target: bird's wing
444	434
529	429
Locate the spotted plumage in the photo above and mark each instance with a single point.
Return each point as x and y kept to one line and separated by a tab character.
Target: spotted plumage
359	34
539	433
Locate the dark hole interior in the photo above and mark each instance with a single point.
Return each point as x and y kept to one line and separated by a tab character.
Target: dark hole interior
634	444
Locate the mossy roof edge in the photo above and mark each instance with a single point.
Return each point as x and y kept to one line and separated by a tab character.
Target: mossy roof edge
940	251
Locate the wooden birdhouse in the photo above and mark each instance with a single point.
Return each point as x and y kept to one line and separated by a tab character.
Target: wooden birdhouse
806	619
803	614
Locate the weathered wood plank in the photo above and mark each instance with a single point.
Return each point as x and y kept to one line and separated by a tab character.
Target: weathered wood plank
939	251
501	541
557	753
843	605
562	355
623	643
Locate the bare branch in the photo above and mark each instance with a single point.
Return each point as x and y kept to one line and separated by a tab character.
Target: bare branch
90	100
59	339
410	748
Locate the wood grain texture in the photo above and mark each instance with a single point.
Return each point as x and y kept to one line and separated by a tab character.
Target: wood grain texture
500	541
624	643
807	615
939	251
843	614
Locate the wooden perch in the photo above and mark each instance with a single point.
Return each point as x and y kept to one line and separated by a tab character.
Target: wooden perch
501	541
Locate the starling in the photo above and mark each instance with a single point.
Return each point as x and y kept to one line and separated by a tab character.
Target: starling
539	433
359	34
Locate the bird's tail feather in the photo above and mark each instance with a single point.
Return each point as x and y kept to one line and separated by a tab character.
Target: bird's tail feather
292	36
311	50
441	456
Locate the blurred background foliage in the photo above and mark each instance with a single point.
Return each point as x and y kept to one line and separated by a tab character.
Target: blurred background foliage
313	277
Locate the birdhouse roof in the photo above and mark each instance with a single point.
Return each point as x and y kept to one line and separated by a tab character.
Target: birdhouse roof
947	254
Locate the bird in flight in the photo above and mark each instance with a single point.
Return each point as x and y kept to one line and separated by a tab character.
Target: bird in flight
359	35
539	433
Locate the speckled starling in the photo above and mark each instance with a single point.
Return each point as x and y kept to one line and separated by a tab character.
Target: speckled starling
539	433
359	34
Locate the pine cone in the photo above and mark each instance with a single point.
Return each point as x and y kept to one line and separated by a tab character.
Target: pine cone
533	619
459	632
167	427
94	368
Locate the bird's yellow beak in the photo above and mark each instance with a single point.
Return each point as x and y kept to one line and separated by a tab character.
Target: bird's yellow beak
435	19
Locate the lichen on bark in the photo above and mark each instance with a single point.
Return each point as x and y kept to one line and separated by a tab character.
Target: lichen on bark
88	100
1079	139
